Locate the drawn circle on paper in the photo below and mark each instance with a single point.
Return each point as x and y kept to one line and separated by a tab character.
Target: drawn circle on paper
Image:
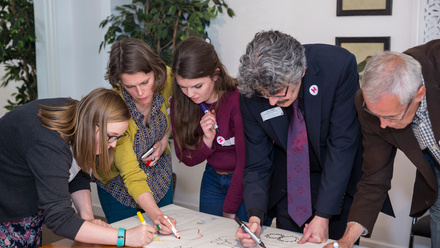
282	238
274	235
289	239
190	234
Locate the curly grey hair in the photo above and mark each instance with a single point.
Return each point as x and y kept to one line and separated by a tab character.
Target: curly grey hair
391	73
272	61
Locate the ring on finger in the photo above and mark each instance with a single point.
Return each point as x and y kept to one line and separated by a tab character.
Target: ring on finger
153	159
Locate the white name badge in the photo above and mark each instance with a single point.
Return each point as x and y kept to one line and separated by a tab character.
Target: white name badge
271	113
223	142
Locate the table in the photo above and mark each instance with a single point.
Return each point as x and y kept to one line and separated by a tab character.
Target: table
200	230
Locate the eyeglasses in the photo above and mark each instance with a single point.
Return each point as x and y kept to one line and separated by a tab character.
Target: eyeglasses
386	117
259	94
111	139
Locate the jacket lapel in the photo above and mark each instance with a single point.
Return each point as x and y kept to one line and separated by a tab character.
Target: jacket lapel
408	143
433	100
276	127
312	107
280	125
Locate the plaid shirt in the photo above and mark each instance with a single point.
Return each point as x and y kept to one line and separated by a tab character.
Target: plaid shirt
422	129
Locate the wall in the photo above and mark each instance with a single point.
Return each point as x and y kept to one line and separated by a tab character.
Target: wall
68	38
69	65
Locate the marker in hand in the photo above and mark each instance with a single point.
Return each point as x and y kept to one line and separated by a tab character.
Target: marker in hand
141	218
205	110
172	227
247	230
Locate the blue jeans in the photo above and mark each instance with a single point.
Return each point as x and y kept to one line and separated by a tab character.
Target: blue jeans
115	211
213	193
434	211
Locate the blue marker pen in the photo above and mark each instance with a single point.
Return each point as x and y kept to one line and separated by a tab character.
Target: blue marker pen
205	110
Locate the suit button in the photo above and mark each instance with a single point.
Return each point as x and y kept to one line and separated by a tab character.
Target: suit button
284	190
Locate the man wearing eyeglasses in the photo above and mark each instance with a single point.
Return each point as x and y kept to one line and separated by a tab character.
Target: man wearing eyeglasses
399	108
277	74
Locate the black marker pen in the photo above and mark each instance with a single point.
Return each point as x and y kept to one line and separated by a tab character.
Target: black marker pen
246	229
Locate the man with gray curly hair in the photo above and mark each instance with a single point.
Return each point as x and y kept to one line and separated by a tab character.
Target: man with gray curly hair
398	108
276	74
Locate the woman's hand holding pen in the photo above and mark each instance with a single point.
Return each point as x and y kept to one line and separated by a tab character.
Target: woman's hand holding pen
152	159
162	225
139	236
207	123
160	148
245	239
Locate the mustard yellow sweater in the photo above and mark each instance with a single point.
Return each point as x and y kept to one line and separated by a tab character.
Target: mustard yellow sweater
125	162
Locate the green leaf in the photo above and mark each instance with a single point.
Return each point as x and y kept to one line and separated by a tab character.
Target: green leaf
17	42
157	26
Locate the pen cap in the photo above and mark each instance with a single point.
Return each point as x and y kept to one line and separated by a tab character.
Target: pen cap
239	222
204	108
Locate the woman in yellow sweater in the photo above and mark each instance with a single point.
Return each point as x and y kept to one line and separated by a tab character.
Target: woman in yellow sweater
140	183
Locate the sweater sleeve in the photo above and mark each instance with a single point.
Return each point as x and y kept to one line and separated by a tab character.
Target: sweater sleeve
50	166
190	157
126	163
377	171
80	181
234	197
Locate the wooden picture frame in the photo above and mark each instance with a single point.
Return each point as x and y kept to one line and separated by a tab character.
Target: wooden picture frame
363	7
363	48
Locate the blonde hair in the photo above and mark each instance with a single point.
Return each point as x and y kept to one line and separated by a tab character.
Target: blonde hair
77	123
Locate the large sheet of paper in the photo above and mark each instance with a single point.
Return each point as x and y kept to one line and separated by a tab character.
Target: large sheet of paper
204	230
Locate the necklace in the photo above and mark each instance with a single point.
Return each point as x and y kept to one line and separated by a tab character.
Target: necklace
143	108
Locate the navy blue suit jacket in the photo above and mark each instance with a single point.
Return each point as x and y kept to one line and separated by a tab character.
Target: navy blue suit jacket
332	127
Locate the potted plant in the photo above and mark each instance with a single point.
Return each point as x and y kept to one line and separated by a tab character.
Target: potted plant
17	49
162	23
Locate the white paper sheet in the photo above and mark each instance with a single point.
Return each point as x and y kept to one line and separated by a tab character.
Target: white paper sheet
203	230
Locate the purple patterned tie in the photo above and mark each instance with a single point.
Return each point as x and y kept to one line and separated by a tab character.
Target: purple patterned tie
298	176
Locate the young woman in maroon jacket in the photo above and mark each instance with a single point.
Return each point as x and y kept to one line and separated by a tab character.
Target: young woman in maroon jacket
207	125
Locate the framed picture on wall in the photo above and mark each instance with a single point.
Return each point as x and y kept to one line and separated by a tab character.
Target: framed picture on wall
363	48
363	7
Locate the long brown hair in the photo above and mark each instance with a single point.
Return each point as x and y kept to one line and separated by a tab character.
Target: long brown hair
195	58
77	123
131	56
